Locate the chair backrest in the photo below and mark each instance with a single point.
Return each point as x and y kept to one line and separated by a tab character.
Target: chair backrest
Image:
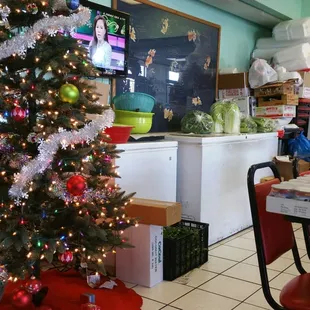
277	234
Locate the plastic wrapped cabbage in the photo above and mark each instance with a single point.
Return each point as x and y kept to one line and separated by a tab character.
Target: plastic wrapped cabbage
231	118
197	122
248	125
217	111
264	124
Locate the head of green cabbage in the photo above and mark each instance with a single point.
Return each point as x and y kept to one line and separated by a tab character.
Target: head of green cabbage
232	118
217	113
197	122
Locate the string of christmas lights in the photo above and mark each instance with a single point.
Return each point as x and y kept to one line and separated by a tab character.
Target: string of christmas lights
48	148
48	25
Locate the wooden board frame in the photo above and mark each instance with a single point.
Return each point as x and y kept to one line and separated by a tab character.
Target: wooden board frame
182	14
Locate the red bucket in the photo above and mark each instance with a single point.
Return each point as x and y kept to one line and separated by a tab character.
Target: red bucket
118	134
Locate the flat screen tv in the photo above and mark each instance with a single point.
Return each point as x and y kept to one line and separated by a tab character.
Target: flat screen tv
107	39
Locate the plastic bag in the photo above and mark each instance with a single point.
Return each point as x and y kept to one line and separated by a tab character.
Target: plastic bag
264	124
300	147
261	73
197	122
248	125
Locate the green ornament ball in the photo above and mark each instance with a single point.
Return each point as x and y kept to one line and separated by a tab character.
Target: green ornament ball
69	93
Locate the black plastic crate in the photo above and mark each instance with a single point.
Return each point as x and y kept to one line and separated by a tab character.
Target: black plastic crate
188	250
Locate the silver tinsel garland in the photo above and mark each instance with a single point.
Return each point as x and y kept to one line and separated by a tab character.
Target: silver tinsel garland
48	25
48	148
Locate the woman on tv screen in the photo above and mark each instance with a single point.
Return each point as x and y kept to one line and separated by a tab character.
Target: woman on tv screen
100	51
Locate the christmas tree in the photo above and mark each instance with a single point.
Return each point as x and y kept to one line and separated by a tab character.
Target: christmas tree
57	202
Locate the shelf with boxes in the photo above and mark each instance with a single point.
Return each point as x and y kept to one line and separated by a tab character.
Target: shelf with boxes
236	86
303	114
277	100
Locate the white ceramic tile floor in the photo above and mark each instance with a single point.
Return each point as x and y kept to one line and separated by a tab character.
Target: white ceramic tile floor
217	264
232	253
151	304
229	280
230	287
259	300
196	278
293	270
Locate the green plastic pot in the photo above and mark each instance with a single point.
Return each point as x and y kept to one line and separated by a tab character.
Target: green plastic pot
142	122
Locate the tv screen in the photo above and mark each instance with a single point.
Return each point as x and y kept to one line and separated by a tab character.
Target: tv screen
107	38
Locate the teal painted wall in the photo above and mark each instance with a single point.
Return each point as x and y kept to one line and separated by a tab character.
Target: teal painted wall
306	8
238	35
287	8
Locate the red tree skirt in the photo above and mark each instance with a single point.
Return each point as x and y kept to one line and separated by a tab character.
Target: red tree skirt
65	290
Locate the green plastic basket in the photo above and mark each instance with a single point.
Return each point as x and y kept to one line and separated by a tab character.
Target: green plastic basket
135	102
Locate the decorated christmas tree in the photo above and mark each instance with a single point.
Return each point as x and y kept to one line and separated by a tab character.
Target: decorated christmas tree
57	203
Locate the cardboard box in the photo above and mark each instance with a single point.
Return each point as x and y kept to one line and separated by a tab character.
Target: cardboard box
246	105
155	212
282	100
285	167
275	89
142	264
305	75
103	91
304	92
290	207
276	111
233	93
233	80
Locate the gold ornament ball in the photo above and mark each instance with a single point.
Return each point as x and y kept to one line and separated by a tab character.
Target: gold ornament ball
69	93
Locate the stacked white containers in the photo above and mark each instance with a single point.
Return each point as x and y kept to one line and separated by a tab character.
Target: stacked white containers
292	30
289	47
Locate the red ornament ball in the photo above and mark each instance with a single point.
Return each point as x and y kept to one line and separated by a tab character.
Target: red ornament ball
18	114
66	257
76	185
21	298
33	286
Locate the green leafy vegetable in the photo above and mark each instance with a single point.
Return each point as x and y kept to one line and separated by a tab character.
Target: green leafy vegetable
264	124
248	125
197	122
232	118
217	111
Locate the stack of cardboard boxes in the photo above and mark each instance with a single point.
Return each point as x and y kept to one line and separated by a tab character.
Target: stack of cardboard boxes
236	87
277	100
143	264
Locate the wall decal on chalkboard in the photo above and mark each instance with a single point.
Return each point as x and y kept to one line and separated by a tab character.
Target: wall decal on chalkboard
173	57
132	33
165	25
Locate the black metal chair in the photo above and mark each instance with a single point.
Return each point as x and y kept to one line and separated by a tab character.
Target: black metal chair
274	236
305	226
